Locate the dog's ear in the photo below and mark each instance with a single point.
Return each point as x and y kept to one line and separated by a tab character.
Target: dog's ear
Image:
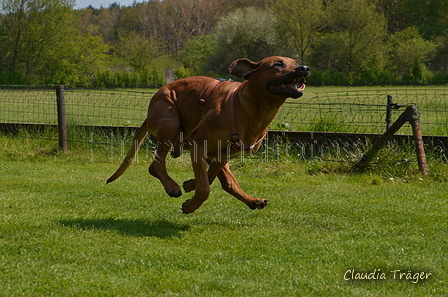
242	68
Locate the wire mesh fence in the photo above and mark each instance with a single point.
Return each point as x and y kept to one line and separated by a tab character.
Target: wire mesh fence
26	106
352	111
364	111
83	106
107	107
346	112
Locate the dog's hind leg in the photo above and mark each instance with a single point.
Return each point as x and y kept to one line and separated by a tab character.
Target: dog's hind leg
231	186
158	169
165	124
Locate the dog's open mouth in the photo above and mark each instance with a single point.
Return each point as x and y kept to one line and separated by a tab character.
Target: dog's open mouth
292	88
297	84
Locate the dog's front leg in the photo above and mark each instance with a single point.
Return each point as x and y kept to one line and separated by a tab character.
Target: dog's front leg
198	161
231	186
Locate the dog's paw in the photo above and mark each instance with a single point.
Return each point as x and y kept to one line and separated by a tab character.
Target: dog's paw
174	193
186	207
189	185
258	204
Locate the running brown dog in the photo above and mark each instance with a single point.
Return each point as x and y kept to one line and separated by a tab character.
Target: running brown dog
216	121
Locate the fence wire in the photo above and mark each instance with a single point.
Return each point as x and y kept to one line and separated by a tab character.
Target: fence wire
364	111
28	106
352	111
107	107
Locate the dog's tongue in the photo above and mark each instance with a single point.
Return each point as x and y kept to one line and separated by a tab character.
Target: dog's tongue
296	86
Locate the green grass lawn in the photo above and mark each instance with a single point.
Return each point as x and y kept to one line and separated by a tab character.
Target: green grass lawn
65	233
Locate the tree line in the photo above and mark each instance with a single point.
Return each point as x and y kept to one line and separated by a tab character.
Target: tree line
345	42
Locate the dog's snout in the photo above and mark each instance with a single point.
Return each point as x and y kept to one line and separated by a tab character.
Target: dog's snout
304	69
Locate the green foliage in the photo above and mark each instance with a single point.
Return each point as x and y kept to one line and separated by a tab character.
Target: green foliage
376	71
148	77
194	55
439	59
4	46
418	74
430	17
329	77
182	72
13	78
357	33
138	52
409	52
89	56
46	48
347	42
300	29
247	33
36	36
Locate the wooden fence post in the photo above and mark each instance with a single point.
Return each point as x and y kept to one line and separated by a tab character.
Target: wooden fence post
414	119
62	120
411	115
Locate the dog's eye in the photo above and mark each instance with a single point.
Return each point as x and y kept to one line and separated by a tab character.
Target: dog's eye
279	64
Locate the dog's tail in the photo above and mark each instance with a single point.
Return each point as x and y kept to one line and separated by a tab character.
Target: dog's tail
138	140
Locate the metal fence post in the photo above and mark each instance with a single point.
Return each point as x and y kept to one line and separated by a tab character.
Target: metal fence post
62	120
389	112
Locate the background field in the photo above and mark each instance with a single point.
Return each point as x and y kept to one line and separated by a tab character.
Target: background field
65	233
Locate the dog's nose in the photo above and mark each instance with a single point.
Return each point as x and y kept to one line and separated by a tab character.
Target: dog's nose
304	69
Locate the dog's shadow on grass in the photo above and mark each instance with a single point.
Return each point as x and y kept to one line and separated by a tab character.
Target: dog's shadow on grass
138	228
